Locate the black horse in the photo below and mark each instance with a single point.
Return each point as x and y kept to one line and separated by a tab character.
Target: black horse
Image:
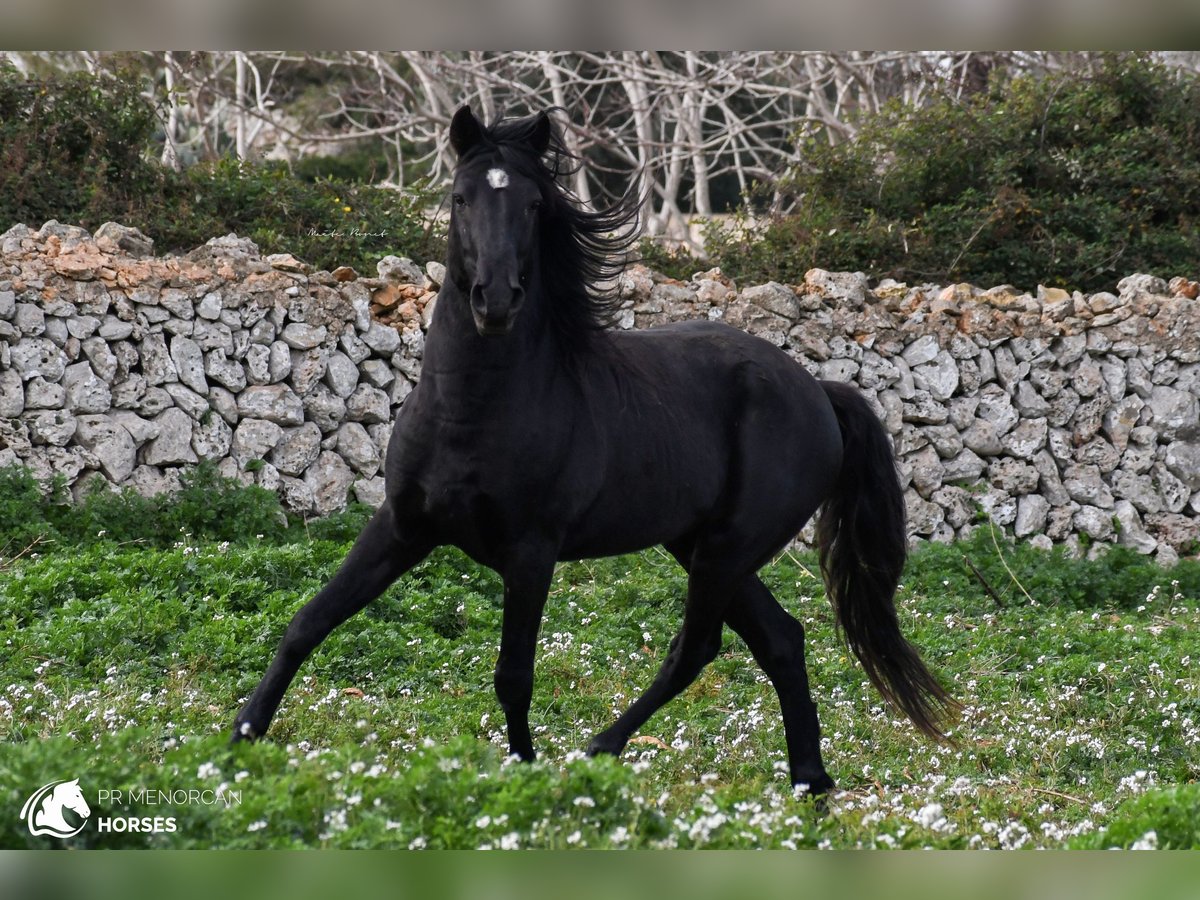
535	435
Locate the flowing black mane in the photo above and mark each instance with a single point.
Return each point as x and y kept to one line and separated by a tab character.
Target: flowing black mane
581	248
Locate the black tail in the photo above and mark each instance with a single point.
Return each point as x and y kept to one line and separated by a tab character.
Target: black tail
862	542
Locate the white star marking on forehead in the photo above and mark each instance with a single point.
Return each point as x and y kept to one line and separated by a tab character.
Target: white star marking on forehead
497	178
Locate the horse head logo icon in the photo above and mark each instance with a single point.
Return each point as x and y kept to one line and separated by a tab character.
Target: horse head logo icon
43	811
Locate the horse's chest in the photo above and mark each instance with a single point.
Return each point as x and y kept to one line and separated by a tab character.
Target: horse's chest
470	516
465	501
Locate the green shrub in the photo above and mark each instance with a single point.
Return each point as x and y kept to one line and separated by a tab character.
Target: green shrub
1166	819
27	512
1119	578
209	507
82	149
674	262
326	222
74	147
1072	180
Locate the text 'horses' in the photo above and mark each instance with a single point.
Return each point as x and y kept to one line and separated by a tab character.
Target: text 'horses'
535	435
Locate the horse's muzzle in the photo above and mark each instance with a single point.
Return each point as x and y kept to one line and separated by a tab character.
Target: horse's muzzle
495	308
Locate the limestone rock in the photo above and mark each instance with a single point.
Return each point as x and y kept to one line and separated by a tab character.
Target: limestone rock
38	358
995	406
279	363
400	269
1130	530
355	446
1095	523
1179	532
113	236
258	364
370	491
341	375
273	402
923	516
229	373
30	320
939	376
329	479
774	298
299	336
85	393
173	445
150	481
111	443
55	427
923	409
1026	439
212	438
1175	413
307	368
382	339
1084	485
295	494
957	503
157	365
368	405
253	439
297	449
964	468
1012	475
104	361
188	400
923	350
12	394
1032	512
981	438
139	430
1182	459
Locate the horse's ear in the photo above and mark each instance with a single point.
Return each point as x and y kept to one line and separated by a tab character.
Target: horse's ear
465	130
539	138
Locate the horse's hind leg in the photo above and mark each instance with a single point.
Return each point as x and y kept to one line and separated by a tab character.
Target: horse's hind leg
694	647
777	641
378	557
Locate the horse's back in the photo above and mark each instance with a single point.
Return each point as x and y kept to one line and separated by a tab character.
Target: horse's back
712	425
744	364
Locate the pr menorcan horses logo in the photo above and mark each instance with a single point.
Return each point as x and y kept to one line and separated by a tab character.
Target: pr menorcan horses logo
43	811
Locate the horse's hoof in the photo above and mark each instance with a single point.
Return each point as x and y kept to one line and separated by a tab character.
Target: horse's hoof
814	785
602	745
816	788
243	732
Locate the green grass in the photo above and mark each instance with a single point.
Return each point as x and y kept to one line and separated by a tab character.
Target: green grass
123	666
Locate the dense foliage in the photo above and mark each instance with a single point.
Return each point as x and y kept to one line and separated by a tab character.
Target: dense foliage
208	508
1072	180
83	149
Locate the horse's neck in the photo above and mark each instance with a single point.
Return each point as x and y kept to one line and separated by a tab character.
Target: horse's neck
473	368
51	811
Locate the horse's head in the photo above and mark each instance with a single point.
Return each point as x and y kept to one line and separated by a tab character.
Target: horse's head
494	222
70	796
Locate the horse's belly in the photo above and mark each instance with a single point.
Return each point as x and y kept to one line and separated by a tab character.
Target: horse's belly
625	521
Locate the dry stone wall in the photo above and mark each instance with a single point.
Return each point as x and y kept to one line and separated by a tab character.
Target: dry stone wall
1055	415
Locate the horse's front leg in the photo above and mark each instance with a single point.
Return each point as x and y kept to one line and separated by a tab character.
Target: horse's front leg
384	551
526	584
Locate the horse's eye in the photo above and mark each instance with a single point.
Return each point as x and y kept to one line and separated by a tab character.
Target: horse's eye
535	205
459	201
